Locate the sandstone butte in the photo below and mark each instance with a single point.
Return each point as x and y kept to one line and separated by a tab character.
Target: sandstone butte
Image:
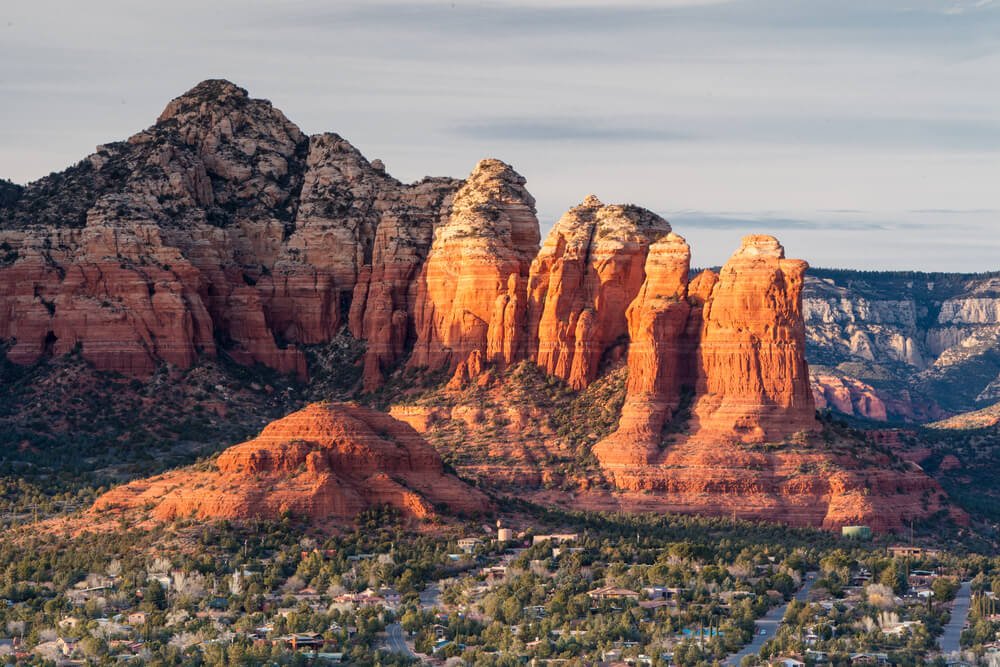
223	229
326	462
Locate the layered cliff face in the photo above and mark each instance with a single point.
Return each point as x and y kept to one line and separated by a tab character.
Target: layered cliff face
587	273
327	462
926	344
658	355
847	395
753	378
471	290
735	338
799	485
220	228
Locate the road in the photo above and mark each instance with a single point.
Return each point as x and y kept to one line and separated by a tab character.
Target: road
769	622
951	637
429	596
395	640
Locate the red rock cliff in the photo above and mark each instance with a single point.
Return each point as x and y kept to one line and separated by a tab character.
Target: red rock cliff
657	322
471	290
753	381
221	227
582	281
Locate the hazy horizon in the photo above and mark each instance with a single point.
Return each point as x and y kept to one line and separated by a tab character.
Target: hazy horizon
862	136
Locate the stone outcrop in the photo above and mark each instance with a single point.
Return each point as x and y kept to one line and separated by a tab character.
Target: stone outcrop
753	379
658	320
326	463
848	396
735	338
222	228
471	290
587	273
800	485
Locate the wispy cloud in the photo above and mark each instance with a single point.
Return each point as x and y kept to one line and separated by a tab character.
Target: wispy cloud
566	129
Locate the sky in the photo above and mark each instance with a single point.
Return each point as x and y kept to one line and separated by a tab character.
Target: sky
862	133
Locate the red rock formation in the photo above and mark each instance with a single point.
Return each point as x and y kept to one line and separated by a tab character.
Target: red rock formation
754	382
657	321
384	298
847	395
581	282
800	486
470	291
222	222
325	462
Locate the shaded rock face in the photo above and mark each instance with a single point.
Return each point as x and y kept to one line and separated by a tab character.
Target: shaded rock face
220	228
471	290
847	395
325	462
587	273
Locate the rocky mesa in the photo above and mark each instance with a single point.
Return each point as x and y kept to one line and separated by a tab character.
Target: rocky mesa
327	462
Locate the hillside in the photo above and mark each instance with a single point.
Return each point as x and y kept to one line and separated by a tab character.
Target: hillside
903	345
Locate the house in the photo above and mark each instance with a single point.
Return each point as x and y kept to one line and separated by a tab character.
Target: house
494	572
558	538
391	596
613	593
67	646
302	640
903	551
786	661
958	662
879	659
536	611
656	604
469	544
137	618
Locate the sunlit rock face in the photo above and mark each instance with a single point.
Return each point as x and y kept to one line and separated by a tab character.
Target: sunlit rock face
753	380
471	290
587	273
325	462
224	230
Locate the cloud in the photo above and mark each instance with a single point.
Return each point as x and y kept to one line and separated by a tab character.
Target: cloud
566	129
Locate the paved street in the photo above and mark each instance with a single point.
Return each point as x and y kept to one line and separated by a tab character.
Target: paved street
396	640
952	634
429	596
769	623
